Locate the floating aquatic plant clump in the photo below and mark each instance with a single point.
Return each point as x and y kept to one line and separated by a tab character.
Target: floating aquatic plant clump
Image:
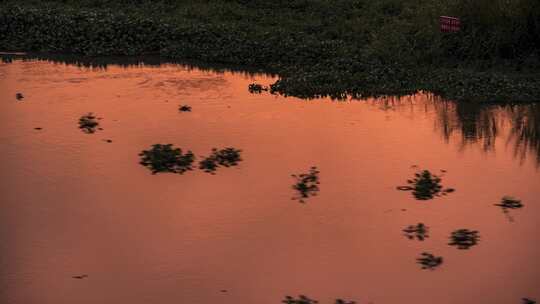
528	301
508	202
165	158
301	300
464	238
184	108
226	157
88	123
429	261
19	96
307	184
256	88
306	300
425	186
419	231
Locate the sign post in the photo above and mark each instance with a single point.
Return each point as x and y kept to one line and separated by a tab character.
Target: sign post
449	24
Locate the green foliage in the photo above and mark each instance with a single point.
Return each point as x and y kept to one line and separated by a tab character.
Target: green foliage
318	47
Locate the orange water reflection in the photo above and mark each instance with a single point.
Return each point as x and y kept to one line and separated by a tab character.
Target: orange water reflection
74	204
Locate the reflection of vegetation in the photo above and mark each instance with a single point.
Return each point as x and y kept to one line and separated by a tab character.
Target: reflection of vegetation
429	261
165	158
184	108
464	238
420	231
525	130
307	184
256	88
425	186
227	157
479	123
88	123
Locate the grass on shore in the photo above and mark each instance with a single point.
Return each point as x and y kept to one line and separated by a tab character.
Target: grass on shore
318	47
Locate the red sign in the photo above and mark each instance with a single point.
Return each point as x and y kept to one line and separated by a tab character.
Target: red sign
450	24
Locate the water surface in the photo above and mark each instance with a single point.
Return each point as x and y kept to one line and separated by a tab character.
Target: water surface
79	203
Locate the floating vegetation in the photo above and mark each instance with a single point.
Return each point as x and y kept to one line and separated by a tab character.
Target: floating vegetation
426	186
429	261
80	277
464	238
256	88
38	128
88	123
107	141
507	203
419	231
184	108
305	300
528	301
306	184
301	300
165	158
19	96
227	157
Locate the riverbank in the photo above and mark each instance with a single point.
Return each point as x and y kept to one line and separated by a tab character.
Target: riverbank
319	48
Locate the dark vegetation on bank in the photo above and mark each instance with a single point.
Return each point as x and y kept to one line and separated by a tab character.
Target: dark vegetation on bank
318	47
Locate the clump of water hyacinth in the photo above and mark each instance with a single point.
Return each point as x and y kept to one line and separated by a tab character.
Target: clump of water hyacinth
226	157
301	300
419	231
184	108
165	158
425	186
464	238
88	123
256	88
429	261
307	184
507	203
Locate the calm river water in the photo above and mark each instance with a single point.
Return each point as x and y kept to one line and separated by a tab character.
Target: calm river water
73	204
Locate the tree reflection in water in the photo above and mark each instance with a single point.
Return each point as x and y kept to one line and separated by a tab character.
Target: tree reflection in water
476	124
